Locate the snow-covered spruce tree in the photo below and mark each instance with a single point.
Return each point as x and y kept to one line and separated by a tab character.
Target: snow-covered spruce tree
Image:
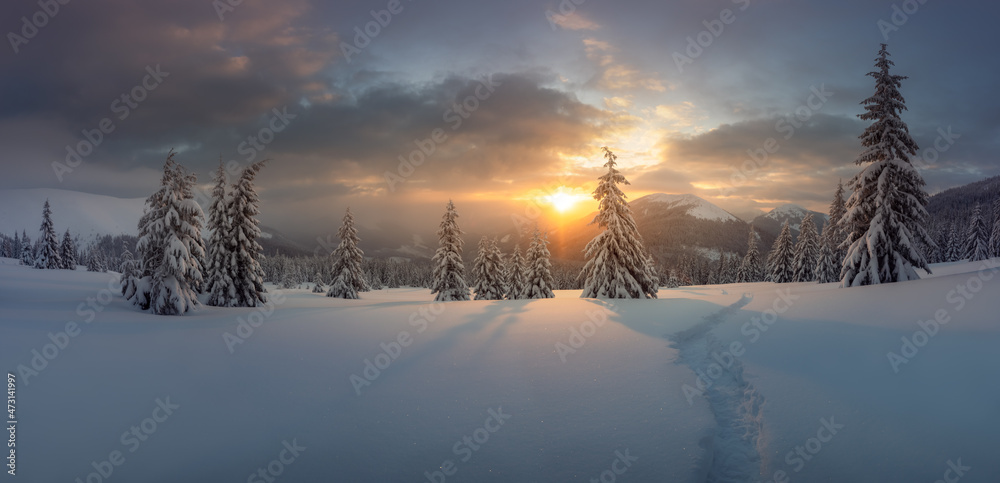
779	260
886	211
318	286
169	246
27	250
751	269
955	242
242	208
95	261
174	284
48	253
517	283
617	263
995	234
976	246
348	277
827	265
449	271
806	252
497	259
186	182
218	270
487	272
834	229
130	274
540	282
67	253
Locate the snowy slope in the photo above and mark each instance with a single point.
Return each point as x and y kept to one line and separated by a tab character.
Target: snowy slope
84	214
811	359
697	207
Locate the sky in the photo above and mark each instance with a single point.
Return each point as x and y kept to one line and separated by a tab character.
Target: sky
393	107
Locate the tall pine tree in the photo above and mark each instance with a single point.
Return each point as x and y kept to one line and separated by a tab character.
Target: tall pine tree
617	263
48	252
242	208
751	269
806	251
170	246
834	229
540	282
976	246
995	234
779	260
67	253
487	272
827	265
348	278
517	276
449	271
886	211
219	272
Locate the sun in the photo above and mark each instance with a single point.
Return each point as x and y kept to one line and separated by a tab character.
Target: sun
563	200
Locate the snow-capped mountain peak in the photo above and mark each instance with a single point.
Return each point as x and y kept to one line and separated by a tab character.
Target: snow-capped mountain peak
697	207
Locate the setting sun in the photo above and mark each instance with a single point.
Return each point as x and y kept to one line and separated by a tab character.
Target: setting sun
563	200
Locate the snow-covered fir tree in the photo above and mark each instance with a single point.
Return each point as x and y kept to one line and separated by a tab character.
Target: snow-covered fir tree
806	252
243	208
497	259
130	274
67	252
886	211
827	264
449	271
779	260
218	270
348	278
540	282
487	272
751	268
995	234
955	242
96	261
318	286
517	277
16	253
617	263
976	246
834	228
48	252
170	246
27	250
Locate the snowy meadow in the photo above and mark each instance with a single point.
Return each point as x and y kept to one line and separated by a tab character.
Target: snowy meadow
733	382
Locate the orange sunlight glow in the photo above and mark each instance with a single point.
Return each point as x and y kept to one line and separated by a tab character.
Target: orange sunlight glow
564	199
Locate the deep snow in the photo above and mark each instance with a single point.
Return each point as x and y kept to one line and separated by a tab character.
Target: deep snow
816	364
